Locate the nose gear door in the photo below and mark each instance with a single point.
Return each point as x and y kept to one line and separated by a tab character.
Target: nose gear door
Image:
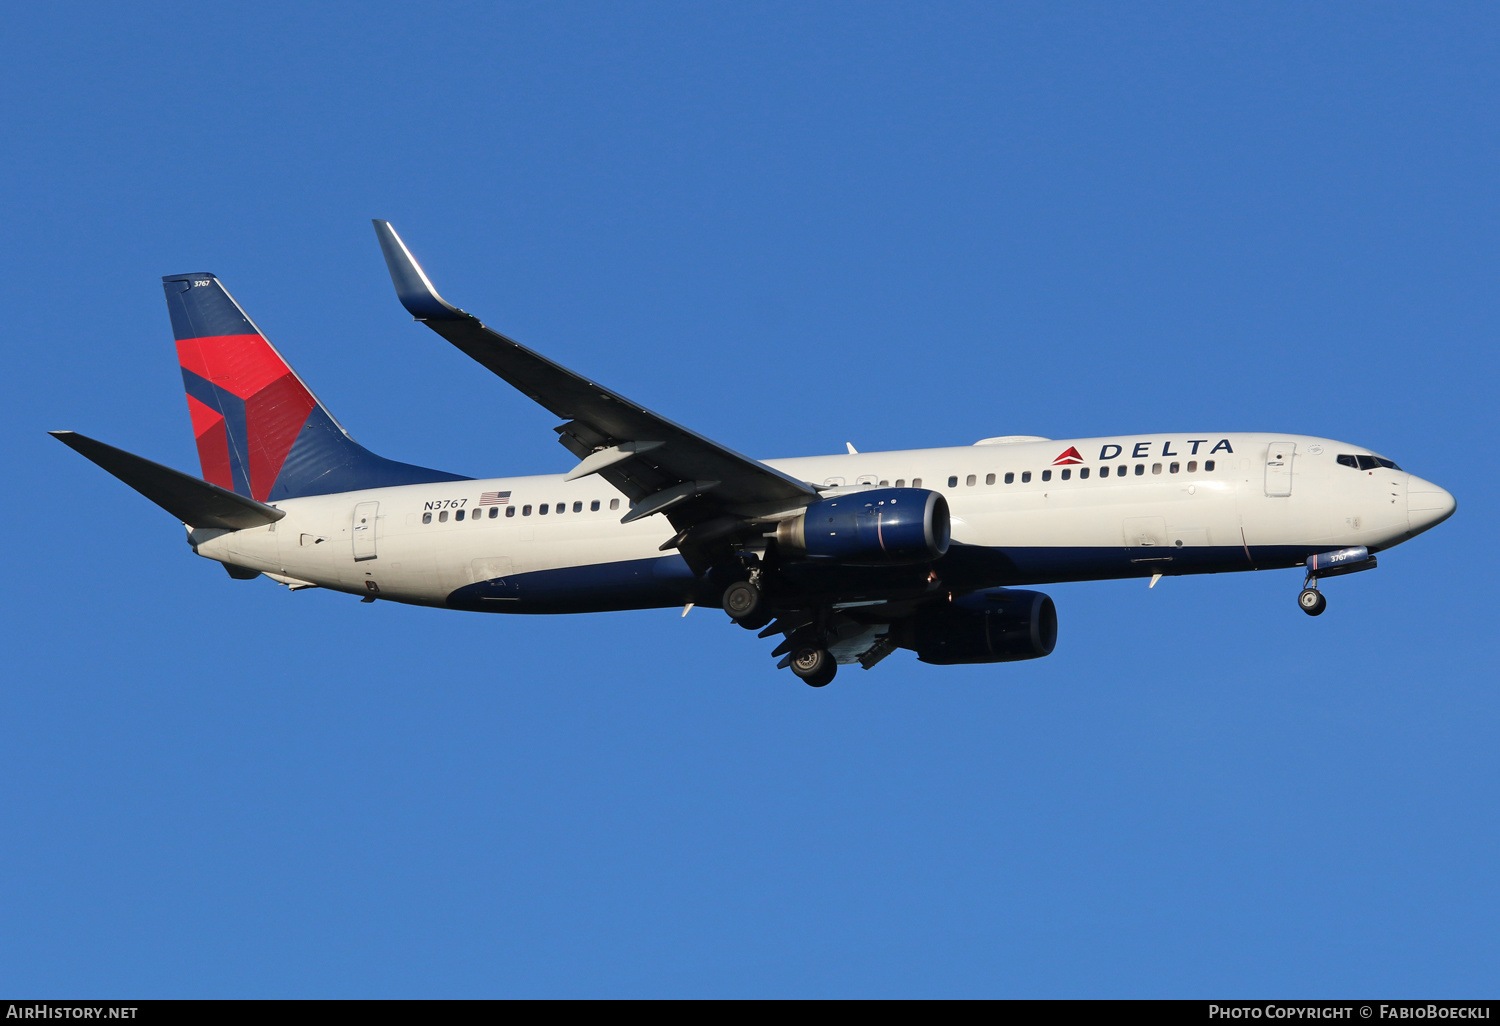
1279	468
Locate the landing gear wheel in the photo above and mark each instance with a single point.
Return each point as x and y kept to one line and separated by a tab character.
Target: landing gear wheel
816	666
1312	601
741	599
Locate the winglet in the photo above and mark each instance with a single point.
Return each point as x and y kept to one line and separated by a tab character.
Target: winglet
412	285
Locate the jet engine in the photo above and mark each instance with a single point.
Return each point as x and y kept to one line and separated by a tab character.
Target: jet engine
996	626
879	527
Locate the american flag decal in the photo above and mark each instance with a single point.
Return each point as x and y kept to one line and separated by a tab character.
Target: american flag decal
495	499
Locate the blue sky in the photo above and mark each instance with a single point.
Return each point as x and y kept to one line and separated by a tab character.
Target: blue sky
788	226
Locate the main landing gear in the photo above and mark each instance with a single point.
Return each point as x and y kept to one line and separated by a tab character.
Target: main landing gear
814	664
808	657
746	605
808	632
806	648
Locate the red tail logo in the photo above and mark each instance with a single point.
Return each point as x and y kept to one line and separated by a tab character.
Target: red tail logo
1071	456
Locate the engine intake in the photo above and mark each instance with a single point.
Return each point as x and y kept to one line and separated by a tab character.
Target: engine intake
879	526
997	626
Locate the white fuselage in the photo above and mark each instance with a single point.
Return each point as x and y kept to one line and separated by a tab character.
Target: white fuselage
1269	500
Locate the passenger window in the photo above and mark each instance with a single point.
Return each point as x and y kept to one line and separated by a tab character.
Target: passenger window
459	515
1156	468
1046	475
1067	474
578	507
1103	471
494	512
541	510
443	517
916	482
1083	473
1345	460
510	511
900	482
1174	468
614	503
969	481
1192	466
1025	477
953	481
1140	469
1209	465
1010	477
426	518
594	506
885	484
989	479
1121	470
525	511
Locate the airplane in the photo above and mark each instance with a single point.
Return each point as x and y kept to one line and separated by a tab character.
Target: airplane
846	558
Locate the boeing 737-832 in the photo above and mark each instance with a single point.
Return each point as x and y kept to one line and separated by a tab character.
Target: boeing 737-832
846	558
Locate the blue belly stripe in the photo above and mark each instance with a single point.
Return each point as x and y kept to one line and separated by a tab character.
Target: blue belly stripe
666	581
630	584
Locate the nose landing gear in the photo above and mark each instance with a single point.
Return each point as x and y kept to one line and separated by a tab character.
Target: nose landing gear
1337	563
1311	600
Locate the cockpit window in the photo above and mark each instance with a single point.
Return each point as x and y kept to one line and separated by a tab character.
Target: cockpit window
1367	462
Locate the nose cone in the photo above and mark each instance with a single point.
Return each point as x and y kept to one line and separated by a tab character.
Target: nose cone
1427	505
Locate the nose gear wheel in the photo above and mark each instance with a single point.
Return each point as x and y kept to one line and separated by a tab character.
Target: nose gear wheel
1312	601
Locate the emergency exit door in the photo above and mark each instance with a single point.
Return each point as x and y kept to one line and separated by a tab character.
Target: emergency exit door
365	515
1279	468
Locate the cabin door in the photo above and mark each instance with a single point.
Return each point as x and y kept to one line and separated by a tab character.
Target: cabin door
1279	468
364	530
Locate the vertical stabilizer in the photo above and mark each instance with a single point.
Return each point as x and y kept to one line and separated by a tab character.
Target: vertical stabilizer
261	432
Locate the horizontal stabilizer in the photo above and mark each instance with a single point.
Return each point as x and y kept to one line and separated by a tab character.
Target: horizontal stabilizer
193	501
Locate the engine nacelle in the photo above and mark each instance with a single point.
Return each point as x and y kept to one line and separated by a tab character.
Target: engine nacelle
997	626
879	526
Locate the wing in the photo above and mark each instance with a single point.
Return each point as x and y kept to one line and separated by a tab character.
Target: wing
706	490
